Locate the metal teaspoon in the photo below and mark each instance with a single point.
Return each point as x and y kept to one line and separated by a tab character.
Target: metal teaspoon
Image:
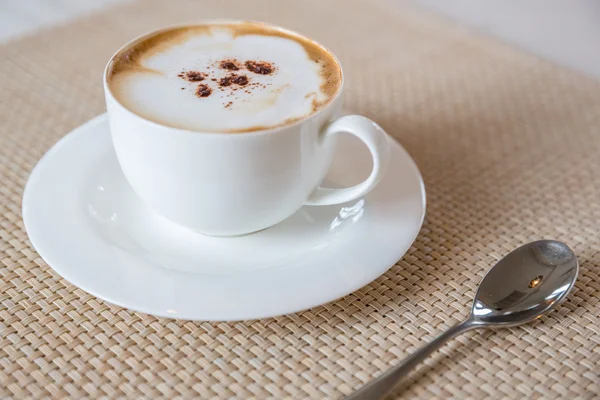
522	286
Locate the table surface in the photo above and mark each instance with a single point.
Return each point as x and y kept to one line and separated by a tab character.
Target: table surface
567	32
507	144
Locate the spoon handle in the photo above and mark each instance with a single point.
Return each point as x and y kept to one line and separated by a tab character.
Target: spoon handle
383	384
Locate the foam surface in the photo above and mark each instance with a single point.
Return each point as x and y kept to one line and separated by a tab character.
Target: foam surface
305	77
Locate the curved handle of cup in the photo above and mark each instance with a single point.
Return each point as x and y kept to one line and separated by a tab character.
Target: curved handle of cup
378	144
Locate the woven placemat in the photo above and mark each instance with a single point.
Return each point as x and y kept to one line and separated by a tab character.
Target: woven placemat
509	146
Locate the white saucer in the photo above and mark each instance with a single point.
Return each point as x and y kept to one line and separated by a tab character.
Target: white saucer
89	226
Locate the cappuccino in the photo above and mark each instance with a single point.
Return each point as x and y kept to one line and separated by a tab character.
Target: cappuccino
224	77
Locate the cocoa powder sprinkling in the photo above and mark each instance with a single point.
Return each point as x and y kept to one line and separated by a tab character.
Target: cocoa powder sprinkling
230	83
192	76
225	81
259	67
241	80
203	90
230	65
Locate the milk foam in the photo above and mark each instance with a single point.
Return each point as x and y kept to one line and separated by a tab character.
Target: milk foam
300	84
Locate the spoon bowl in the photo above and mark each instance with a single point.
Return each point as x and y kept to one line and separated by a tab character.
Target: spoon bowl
525	284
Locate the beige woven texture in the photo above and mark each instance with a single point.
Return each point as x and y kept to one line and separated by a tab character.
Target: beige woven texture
509	146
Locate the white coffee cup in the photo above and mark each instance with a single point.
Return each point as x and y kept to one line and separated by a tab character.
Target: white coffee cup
227	184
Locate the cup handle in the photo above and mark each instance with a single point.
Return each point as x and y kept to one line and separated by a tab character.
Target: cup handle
378	144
